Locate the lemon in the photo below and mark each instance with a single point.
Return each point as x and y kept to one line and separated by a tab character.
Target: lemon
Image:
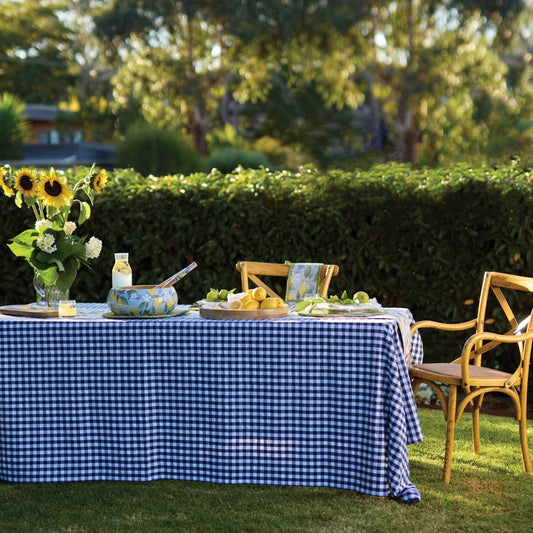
251	304
269	303
236	304
280	302
259	294
246	298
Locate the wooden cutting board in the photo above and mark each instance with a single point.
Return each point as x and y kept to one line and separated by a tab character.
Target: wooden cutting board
251	314
35	311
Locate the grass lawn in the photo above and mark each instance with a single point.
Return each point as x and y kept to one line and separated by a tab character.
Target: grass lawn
489	492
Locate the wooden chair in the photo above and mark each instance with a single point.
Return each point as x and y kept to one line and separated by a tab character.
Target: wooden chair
250	270
467	371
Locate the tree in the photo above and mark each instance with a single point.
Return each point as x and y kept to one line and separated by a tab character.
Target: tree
90	94
14	127
34	46
173	61
395	54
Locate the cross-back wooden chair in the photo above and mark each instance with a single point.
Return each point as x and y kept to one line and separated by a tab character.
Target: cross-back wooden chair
467	371
251	270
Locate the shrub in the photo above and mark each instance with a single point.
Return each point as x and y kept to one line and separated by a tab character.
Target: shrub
415	238
226	137
14	127
152	150
228	159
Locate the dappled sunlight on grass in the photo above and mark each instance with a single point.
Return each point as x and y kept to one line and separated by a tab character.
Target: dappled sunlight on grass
492	484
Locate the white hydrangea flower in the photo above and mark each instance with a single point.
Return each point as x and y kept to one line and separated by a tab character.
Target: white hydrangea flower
69	227
46	243
93	248
43	223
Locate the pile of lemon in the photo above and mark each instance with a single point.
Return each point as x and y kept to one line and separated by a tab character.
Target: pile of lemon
256	299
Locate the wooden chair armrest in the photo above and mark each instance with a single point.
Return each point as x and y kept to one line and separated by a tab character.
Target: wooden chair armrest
496	338
461	326
470	351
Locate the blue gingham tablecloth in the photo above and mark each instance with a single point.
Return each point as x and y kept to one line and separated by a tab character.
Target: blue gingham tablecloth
291	401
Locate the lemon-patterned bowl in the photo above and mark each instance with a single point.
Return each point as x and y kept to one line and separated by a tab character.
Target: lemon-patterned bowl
142	300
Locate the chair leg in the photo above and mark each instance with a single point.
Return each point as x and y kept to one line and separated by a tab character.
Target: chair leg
523	442
475	423
450	433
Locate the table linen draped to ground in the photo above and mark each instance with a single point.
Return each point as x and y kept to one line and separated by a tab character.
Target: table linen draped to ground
292	401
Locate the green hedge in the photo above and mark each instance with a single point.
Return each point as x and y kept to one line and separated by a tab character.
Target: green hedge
415	238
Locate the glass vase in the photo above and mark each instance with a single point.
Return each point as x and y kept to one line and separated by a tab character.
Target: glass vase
47	295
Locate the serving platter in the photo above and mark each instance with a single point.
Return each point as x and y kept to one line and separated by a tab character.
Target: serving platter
243	314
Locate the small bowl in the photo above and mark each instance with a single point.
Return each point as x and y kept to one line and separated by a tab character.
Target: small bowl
142	300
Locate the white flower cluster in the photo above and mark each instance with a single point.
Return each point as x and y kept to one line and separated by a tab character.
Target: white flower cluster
69	227
46	243
42	224
93	248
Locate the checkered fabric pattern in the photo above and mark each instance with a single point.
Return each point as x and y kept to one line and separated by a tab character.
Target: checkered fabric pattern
292	401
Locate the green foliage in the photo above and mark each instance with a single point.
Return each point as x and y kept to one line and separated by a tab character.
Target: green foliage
152	150
14	127
225	137
277	154
34	45
228	159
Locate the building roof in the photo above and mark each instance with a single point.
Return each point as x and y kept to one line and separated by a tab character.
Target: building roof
42	112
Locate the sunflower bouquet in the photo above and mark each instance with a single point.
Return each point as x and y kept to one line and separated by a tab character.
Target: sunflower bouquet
51	246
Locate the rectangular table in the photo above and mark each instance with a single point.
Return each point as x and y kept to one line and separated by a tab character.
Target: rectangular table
290	401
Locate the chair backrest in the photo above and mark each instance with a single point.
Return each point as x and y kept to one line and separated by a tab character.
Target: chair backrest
251	270
501	286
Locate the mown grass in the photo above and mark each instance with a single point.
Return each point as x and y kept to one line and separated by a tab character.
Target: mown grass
489	492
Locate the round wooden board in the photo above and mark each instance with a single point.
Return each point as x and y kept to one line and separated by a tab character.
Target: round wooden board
32	310
251	314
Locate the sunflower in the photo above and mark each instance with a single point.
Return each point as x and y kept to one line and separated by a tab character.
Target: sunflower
8	191
54	190
26	182
98	181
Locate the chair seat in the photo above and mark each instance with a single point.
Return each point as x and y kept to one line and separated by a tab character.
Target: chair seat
451	373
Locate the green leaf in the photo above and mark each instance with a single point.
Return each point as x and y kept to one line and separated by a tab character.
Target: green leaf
21	250
66	278
85	213
26	237
48	276
22	244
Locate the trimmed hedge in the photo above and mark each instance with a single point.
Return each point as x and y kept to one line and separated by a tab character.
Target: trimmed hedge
415	238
